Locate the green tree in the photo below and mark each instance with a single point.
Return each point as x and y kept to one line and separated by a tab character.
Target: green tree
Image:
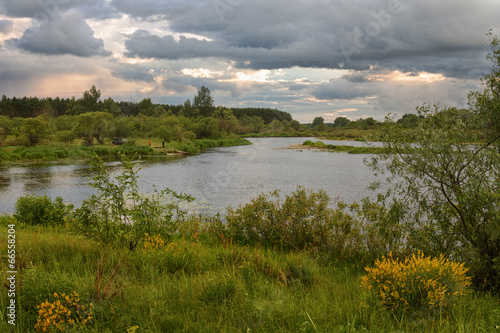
90	99
74	107
227	121
204	103
295	125
35	129
341	122
318	121
450	189
409	120
92	125
5	127
110	106
188	110
486	103
449	180
146	107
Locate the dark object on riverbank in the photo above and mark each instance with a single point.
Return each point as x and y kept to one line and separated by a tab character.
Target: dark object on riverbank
119	141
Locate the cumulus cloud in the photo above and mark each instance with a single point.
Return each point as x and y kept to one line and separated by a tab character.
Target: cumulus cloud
68	33
396	92
6	26
394	54
445	37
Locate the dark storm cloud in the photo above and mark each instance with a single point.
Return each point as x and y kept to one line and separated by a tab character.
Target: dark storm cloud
65	34
344	90
301	53
444	37
47	9
6	26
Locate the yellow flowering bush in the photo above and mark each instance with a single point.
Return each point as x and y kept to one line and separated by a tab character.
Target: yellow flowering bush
65	311
416	283
153	244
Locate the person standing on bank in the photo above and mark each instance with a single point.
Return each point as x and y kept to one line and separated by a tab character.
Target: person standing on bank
150	142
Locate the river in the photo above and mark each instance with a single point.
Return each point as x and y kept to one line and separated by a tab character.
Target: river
217	178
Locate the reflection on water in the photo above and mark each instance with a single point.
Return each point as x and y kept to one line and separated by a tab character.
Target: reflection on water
36	179
5	180
217	178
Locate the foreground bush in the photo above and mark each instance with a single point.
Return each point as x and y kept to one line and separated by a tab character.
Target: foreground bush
41	210
299	222
417	283
120	216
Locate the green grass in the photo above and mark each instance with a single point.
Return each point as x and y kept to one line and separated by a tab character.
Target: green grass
199	284
76	152
342	148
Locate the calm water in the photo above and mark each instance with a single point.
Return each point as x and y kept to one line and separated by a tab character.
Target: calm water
217	178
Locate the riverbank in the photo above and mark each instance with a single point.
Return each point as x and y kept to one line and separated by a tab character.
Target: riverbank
319	145
77	153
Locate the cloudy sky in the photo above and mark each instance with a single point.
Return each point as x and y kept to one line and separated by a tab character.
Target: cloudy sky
329	58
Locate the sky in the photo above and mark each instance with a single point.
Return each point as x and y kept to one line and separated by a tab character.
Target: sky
311	58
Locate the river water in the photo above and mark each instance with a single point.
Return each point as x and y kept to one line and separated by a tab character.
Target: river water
217	178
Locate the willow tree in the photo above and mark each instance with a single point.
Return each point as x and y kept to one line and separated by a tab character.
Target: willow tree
35	129
447	176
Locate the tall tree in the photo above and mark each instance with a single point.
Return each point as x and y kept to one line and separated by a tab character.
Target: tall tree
91	98
451	189
91	125
204	102
35	129
318	121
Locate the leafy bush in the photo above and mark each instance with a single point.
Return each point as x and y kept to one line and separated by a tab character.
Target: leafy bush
297	223
305	220
119	215
66	136
417	283
41	210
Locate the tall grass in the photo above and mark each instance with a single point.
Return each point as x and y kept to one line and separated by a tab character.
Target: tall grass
196	283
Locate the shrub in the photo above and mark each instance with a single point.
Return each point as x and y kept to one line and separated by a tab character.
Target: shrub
66	136
297	223
119	215
417	283
153	244
41	210
65	311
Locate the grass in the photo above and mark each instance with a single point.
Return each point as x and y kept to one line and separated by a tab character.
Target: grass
342	148
198	284
77	152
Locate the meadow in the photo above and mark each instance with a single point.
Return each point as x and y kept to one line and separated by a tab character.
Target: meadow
242	275
197	284
74	153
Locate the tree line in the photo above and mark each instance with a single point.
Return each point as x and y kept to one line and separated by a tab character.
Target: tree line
30	120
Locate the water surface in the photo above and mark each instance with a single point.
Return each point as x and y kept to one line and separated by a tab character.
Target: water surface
217	178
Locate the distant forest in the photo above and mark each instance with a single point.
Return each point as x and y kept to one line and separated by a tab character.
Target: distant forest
29	121
30	107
